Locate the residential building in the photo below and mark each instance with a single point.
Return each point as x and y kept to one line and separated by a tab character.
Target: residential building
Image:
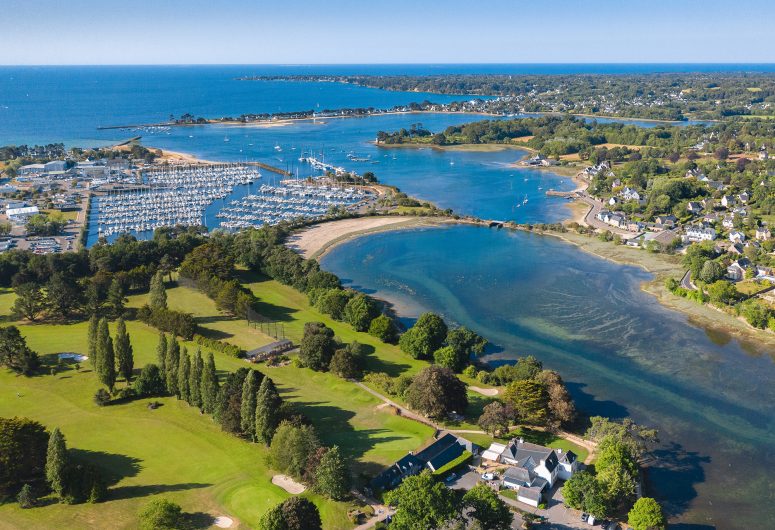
736	236
630	194
736	271
763	233
727	201
55	166
700	233
694	207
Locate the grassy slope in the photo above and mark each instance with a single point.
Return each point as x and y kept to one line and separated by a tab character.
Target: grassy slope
176	451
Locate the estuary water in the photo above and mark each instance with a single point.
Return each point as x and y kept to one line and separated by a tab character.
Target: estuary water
620	351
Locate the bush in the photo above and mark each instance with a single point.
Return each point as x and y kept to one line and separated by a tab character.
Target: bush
101	397
161	514
26	497
220	346
175	322
150	382
384	328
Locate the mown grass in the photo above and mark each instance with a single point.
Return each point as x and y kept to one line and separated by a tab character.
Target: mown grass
177	452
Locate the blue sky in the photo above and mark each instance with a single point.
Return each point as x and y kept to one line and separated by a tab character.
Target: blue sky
397	31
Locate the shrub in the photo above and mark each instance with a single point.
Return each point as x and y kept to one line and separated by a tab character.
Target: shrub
219	346
101	397
161	514
175	322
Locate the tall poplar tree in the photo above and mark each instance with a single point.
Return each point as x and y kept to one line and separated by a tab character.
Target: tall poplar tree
94	323
56	462
248	405
195	380
184	373
125	362
106	362
161	353
157	296
209	385
171	365
268	403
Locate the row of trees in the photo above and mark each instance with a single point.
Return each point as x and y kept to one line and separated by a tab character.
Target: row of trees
110	358
431	339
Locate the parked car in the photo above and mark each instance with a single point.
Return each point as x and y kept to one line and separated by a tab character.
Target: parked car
451	477
488	476
584	517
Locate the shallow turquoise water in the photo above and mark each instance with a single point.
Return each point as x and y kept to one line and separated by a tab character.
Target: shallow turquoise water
620	351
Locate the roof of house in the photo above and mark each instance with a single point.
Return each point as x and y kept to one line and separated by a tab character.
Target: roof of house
534	494
441	452
523	453
280	345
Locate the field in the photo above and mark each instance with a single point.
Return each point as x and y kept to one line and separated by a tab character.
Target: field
175	451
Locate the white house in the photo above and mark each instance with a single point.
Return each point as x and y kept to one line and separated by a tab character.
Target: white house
629	194
700	233
736	237
727	201
763	233
533	468
736	271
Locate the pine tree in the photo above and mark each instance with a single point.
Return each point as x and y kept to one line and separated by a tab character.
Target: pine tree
209	385
94	323
26	497
248	406
106	362
56	462
125	362
268	404
194	380
157	294
161	353
184	373
116	298
171	365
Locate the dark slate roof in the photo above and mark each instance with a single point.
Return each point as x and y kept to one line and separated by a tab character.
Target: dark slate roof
517	475
279	346
568	457
441	452
392	476
530	493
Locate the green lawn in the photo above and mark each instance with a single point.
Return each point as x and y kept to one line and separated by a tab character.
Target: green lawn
177	452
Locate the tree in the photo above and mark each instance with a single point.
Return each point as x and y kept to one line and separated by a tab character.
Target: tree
345	364
332	475
209	387
646	514
333	302
465	342
561	407
94	323
161	353
194	380
491	512
722	292
636	437
157	295
171	365
124	353
184	374
250	390
421	503
711	271
229	406
496	418
161	514
56	462
291	446
106	362
450	358
583	492
150	382
23	444
299	513
273	519
63	295
317	346
436	392
425	337
525	368
384	328
26	497
360	311
268	403
15	354
29	302
116	297
530	401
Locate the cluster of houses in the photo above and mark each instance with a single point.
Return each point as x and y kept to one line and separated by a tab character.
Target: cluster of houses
539	160
530	470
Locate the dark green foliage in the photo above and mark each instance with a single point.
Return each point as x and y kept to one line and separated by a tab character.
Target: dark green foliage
250	389
23	446
465	342
529	400
172	363
384	328
194	380
150	382
106	362
94	323
425	337
525	368
323	280
175	322
583	492
360	311
646	514
29	302
63	295
161	354
116	298
421	502
291	447
450	358
296	513
317	346
436	392
124	353
268	404
57	462
496	418
101	397
332	476
14	352
346	364
184	374
209	386
229	402
332	302
487	508
157	296
26	497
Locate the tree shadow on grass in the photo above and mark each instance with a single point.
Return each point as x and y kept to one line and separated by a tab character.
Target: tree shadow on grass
131	492
274	313
374	363
198	520
214	334
115	467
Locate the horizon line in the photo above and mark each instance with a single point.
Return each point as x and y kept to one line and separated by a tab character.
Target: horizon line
621	63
